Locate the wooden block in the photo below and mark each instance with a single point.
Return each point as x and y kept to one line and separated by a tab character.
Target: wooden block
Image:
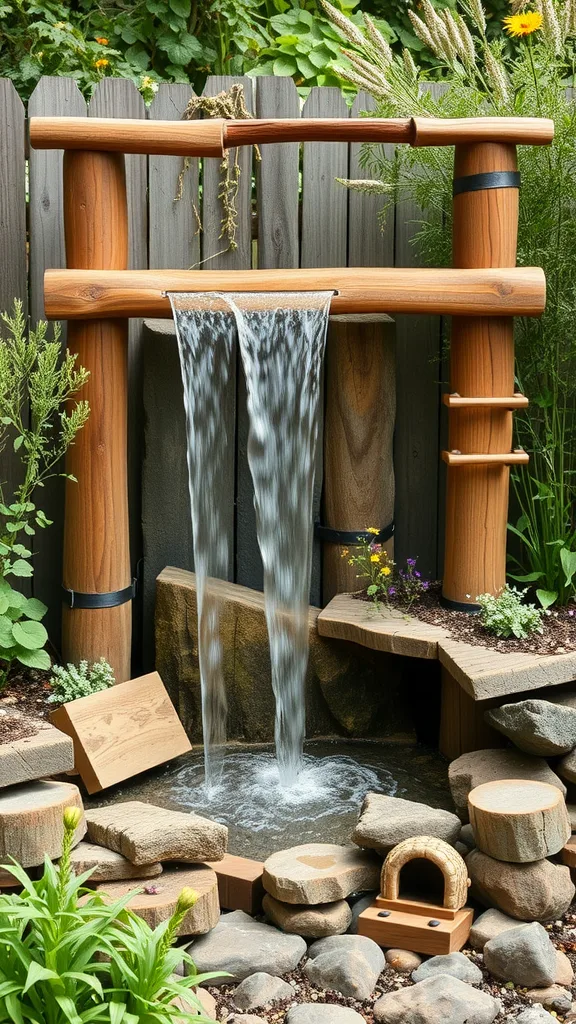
462	724
518	821
239	883
409	930
107	865
156	900
47	752
122	731
31	821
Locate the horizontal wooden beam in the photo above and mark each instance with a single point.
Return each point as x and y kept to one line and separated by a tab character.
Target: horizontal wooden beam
479	459
517	401
211	137
89	294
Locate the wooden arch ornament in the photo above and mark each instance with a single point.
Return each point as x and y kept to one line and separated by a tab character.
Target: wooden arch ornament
420	926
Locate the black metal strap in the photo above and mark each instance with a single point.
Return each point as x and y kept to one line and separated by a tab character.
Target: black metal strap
459	606
491	179
352	537
74	599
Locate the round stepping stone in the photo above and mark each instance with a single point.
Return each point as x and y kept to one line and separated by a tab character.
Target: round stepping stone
146	834
32	821
320	873
519	821
310	922
108	866
157	901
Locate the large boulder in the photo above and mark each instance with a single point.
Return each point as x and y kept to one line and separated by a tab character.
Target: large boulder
261	989
541	891
536	726
349	964
523	955
319	873
479	766
310	922
386	821
242	946
147	834
439	1000
455	964
487	926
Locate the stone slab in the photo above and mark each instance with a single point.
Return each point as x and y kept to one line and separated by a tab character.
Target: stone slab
146	834
48	752
156	900
107	865
320	873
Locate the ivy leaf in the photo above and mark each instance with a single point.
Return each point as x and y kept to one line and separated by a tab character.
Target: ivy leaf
34	609
29	634
34	659
181	7
21	568
285	66
182	48
6	639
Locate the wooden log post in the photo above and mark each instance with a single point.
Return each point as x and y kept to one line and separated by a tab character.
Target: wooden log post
519	820
96	574
358	436
481	366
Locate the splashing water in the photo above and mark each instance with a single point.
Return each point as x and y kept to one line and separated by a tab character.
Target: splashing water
282	337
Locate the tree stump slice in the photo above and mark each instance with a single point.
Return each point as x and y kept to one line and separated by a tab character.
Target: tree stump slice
518	820
31	821
155	901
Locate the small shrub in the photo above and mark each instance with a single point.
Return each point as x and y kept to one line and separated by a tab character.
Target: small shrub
385	582
22	635
53	934
508	615
79	681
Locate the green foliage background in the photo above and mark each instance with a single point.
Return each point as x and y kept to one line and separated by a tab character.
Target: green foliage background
150	41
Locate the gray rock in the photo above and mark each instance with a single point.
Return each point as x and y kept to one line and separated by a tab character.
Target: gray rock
455	964
553	997
567	767
466	836
487	926
536	726
242	946
386	821
260	989
541	891
535	1015
523	955
439	1000
310	922
247	1018
322	1013
349	964
480	766
360	905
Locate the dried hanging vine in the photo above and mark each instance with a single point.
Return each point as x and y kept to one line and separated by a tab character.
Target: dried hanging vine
231	105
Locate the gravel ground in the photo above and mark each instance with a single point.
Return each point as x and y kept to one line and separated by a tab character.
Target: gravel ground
562	933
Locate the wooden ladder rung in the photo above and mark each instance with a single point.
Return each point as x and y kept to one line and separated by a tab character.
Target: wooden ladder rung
454	401
517	457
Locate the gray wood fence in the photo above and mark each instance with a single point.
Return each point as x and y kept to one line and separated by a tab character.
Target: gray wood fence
300	217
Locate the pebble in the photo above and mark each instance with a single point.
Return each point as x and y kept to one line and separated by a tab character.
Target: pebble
403	961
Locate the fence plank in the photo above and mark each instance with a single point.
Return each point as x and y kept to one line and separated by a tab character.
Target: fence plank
324	241
241	258
13	281
118	97
417	443
370	243
277	183
61	97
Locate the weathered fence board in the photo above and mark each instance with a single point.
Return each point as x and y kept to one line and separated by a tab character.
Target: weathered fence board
173	193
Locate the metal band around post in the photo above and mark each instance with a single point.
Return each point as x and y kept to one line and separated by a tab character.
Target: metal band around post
459	606
353	537
490	179
74	599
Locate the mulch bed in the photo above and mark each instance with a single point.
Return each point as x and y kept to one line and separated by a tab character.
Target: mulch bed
513	1000
15	726
27	691
558	636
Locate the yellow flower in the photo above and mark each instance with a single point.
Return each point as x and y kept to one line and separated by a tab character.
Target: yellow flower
102	63
374	558
523	24
345	552
373	529
350	561
102	40
60	24
385	571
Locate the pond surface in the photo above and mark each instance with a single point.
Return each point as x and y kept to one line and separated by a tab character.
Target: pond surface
323	805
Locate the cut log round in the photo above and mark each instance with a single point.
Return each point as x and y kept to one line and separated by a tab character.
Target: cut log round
31	821
518	820
155	901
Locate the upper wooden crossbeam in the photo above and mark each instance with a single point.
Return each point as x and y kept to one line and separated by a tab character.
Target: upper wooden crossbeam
213	137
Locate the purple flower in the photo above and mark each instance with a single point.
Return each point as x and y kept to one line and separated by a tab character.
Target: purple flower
418	574
425	584
375	547
411	561
391	590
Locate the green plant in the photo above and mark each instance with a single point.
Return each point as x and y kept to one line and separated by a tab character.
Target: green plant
525	75
385	582
22	635
508	615
52	970
74	681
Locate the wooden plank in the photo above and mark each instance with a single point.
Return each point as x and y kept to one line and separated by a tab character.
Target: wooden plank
370	242
213	258
119	97
239	883
277	183
324	243
13	281
462	725
122	731
60	97
347	618
174	238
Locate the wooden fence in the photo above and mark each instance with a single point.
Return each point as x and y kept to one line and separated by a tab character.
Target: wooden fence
307	222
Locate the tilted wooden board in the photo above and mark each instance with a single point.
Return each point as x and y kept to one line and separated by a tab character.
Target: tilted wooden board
122	731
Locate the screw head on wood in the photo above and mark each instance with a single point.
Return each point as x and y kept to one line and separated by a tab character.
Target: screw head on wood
384	913
433	923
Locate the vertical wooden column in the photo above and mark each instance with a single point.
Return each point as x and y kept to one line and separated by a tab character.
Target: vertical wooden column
481	365
96	542
360	411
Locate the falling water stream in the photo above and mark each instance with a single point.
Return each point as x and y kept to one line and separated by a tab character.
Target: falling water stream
282	337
